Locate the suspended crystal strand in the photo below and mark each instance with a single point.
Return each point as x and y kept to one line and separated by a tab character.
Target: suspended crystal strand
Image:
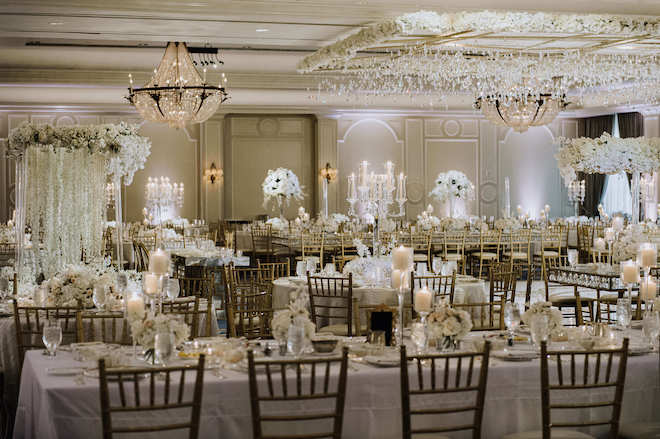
635	197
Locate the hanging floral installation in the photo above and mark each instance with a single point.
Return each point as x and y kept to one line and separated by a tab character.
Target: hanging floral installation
63	177
607	155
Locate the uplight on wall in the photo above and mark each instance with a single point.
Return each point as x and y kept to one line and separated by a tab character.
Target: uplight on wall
212	174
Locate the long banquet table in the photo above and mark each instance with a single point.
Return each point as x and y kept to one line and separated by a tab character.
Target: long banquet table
53	407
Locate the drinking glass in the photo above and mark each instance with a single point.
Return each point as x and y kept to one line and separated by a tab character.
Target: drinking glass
572	257
296	337
511	317
100	297
651	326
163	347
539	328
437	265
377	341
52	336
623	313
329	268
311	266
301	268
172	288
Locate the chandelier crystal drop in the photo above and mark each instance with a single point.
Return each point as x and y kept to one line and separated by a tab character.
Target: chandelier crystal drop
521	114
177	94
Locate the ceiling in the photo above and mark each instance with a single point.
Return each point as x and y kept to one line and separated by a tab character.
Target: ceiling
76	52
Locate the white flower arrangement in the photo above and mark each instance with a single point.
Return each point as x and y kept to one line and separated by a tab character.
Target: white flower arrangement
76	283
427	222
332	223
449	224
144	330
607	155
446	321
282	320
627	244
452	184
281	184
278	224
510	224
554	316
425	23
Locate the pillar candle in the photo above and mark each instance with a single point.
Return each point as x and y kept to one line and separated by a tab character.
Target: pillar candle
647	288
629	272
135	307
396	279
151	283
609	234
423	300
648	254
159	262
402	258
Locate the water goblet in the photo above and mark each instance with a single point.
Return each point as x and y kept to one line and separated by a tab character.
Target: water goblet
623	313
539	329
572	257
311	265
511	318
100	297
172	288
163	347
52	336
301	268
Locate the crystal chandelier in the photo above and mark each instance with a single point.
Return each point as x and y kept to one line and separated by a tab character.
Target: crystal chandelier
520	114
176	93
162	197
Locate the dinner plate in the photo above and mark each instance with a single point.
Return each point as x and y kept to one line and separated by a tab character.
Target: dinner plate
515	355
382	361
64	371
639	349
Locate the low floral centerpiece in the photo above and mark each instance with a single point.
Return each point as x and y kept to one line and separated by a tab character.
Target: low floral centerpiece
544	308
75	285
447	325
295	313
144	330
426	221
281	185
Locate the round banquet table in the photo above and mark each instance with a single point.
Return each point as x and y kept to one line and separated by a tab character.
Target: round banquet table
468	290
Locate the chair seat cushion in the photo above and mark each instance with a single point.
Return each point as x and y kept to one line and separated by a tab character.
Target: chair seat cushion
485	255
557	433
518	255
566	298
453	257
547	254
418	257
641	430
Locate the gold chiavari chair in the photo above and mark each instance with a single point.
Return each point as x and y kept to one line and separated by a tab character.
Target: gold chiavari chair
199	319
29	322
421	244
461	375
262	243
312	246
518	250
246	276
348	251
486	316
585	235
563	297
488	252
106	327
579	374
275	270
250	310
503	281
327	399
550	249
140	256
454	248
331	299
443	287
125	399
202	286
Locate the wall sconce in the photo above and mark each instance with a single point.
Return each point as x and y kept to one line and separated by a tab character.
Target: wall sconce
329	173
213	173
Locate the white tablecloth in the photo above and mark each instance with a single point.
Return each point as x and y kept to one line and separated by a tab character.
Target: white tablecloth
57	407
197	257
465	292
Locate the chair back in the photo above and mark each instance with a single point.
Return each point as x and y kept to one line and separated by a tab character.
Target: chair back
442	286
489	241
157	397
107	327
141	256
520	241
30	320
486	316
503	281
262	241
202	286
275	270
319	390
584	376
198	317
250	310
311	245
7	254
453	374
331	299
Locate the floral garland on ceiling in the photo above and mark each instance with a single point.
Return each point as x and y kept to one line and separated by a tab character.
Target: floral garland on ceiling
607	155
427	22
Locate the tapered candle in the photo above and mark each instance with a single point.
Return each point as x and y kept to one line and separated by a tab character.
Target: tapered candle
135	307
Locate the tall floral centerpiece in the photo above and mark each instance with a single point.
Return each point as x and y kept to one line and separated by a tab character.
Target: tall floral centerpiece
60	186
451	186
281	185
609	155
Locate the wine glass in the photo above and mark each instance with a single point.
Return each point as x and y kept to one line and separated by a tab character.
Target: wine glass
163	347
301	268
572	257
539	328
172	288
377	341
437	265
100	297
52	336
511	317
122	282
296	337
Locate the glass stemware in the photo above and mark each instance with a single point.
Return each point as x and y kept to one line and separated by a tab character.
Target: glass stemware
301	268
623	313
52	336
539	329
172	289
100	297
296	337
163	347
511	318
572	257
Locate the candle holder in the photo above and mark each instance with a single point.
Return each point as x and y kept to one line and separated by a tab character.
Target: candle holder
425	326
